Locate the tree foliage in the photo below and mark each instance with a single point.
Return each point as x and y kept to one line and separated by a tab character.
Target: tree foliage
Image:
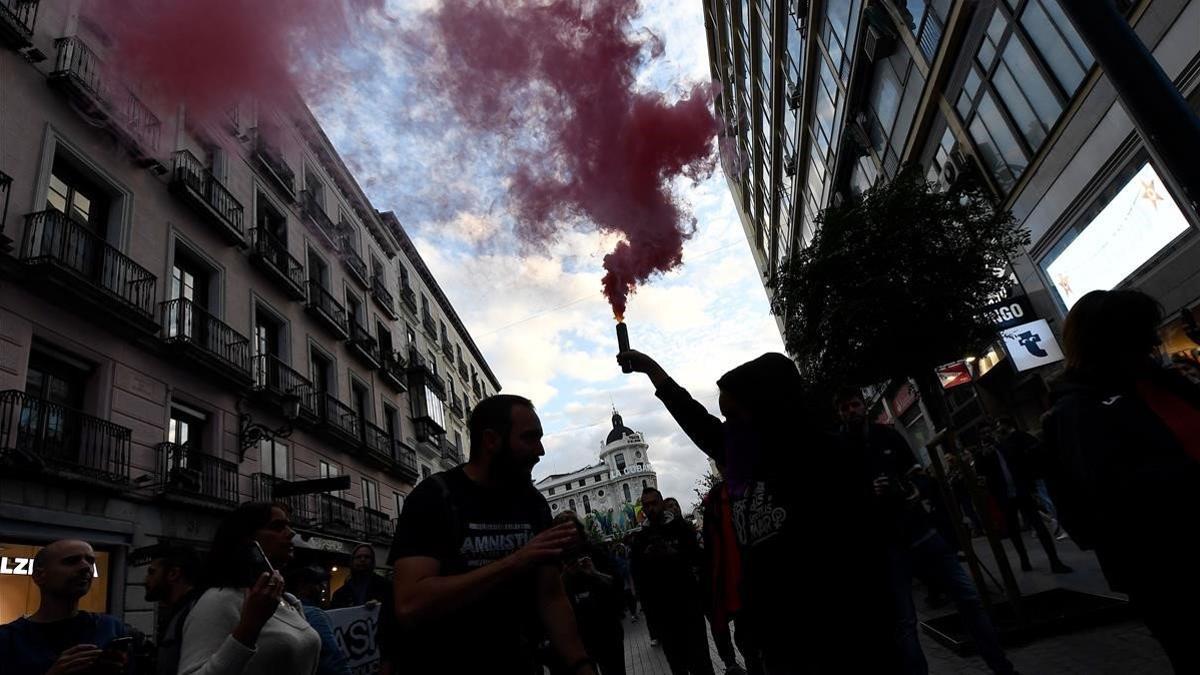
892	285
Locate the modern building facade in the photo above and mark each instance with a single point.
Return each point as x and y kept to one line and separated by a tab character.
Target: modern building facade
191	316
821	99
606	492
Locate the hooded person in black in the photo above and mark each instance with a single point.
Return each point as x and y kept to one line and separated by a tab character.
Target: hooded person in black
1122	447
814	582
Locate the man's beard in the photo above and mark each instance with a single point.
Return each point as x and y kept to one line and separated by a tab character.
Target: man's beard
510	468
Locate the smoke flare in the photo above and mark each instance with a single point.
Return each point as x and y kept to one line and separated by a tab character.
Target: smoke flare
557	79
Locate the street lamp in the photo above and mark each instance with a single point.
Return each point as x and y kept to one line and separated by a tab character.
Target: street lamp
250	433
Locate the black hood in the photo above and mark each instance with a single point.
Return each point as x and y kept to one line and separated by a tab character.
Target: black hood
770	387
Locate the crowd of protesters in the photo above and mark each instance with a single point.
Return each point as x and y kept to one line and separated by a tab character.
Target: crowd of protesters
805	558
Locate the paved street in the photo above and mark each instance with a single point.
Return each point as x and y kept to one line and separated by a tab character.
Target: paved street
1124	648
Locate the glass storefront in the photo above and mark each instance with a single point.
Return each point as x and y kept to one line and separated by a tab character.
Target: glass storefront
19	595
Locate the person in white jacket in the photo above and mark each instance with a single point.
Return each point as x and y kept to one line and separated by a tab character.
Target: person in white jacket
244	624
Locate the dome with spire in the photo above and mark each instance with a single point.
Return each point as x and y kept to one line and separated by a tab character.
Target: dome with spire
619	429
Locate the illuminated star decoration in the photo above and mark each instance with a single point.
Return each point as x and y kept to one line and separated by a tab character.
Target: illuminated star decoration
1150	193
1064	282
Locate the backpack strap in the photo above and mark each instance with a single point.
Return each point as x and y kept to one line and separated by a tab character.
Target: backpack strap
439	479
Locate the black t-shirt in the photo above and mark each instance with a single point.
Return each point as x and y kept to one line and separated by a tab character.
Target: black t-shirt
31	648
665	561
466	526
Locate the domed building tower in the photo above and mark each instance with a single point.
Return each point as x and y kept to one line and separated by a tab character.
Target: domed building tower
609	488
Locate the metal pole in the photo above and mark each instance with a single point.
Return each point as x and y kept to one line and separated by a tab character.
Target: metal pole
1162	117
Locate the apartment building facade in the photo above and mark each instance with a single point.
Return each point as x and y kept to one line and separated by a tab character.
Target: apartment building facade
193	314
823	98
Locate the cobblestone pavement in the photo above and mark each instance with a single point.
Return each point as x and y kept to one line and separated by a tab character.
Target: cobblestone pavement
1125	648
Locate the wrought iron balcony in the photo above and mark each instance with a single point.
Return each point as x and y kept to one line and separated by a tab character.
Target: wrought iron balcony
419	369
194	183
354	263
80	73
456	406
187	472
17	18
338	515
340	421
462	370
206	339
409	298
303	507
276	167
52	438
447	349
316	213
377	526
383	297
405	466
276	379
83	264
450	451
327	309
378	443
429	325
393	368
364	344
271	255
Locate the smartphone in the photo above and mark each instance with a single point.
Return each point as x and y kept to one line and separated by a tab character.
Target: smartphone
260	557
120	644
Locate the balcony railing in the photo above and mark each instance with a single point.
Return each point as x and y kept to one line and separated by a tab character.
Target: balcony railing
456	406
376	525
338	515
406	464
54	240
364	344
273	255
195	182
303	507
185	322
409	297
340	419
430	326
383	297
393	367
277	167
418	367
17	18
322	303
316	212
450	451
278	379
46	435
81	72
182	470
354	263
462	370
378	442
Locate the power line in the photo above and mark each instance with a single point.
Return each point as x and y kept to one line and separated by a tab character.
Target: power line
633	415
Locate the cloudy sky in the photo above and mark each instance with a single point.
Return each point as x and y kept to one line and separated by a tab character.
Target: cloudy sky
538	315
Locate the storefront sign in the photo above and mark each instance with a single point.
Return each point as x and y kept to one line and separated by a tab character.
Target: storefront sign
24	566
322	544
1010	312
954	374
19	595
903	399
1032	345
357	631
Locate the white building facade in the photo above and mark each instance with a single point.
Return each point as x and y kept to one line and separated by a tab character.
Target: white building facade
606	492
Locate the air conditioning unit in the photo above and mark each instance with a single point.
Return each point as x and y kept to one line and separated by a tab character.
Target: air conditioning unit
795	94
878	43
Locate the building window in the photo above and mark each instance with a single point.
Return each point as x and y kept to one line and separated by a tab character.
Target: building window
385	338
59	381
425	472
411	335
620	460
354	308
391	421
320	371
551	490
330	470
370	491
398	500
268	333
645	484
269	220
273	458
596	478
318	271
571	504
80	199
316	189
587	505
625	490
186	427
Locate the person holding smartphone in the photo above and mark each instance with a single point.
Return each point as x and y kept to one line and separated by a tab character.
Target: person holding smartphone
244	623
59	638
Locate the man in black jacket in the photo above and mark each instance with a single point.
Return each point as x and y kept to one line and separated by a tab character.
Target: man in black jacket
364	584
665	562
914	544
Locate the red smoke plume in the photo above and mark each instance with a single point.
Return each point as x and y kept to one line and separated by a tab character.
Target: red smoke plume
557	78
211	54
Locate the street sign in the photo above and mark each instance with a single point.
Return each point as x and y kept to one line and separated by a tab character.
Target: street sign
1031	345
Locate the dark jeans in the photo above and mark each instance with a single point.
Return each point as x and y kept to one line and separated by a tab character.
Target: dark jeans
935	560
685	643
1024	504
723	639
